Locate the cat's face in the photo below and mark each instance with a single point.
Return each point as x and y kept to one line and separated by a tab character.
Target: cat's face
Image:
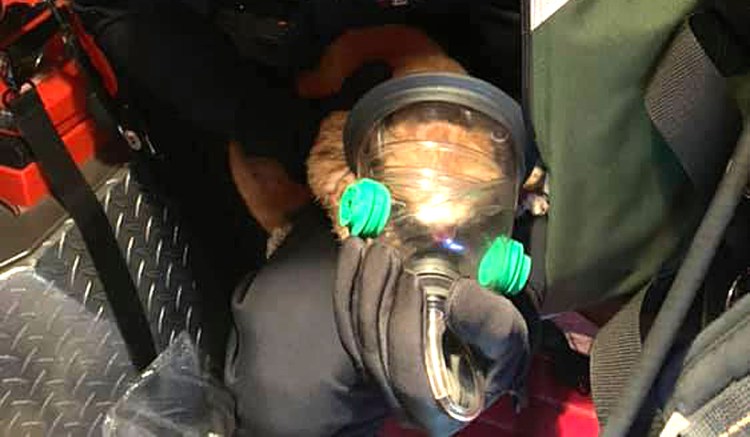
438	171
420	162
444	148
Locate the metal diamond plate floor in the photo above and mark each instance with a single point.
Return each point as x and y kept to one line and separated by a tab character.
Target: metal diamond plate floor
62	362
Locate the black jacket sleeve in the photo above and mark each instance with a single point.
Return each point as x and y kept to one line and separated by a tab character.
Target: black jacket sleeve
286	364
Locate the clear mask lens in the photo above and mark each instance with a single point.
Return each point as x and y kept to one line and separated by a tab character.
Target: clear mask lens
439	181
453	177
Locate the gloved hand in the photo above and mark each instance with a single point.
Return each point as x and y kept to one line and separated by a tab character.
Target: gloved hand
379	309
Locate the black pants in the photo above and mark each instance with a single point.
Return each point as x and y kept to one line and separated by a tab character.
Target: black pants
286	365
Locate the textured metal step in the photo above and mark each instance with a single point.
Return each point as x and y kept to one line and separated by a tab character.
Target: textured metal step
62	361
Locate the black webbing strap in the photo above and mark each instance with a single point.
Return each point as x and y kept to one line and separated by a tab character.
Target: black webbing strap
678	301
689	104
98	104
614	355
68	186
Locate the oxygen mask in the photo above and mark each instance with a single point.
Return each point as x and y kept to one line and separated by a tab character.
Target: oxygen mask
439	162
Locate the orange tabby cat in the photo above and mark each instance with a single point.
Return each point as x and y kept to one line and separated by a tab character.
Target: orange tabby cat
407	51
269	194
328	173
265	187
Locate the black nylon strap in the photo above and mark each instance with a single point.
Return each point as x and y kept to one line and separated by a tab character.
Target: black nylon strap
688	101
68	186
674	310
98	104
614	355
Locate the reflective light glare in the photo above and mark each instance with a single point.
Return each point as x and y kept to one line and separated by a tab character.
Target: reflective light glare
436	214
449	244
439	211
425	184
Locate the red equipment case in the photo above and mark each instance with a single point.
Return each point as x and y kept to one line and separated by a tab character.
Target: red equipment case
62	87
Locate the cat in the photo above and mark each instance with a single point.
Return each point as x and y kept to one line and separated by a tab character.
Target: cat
328	173
266	189
269	193
406	51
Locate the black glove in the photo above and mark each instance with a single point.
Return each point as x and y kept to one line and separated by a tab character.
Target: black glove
379	310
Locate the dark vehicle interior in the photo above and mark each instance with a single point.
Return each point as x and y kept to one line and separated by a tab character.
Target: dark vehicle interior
159	167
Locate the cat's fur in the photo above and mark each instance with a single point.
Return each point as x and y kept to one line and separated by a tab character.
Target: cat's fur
270	195
407	51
